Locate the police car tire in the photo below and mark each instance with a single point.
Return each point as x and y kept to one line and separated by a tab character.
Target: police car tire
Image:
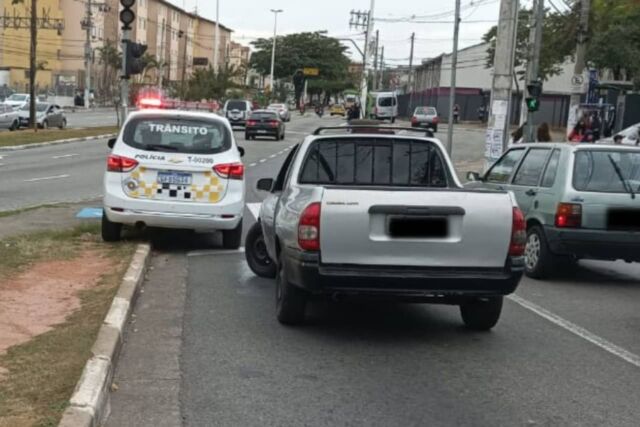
110	230
481	314
63	124
261	266
231	239
291	301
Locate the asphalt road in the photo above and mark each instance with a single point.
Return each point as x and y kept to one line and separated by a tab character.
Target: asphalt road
204	347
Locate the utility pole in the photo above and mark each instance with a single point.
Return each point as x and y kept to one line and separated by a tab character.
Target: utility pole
162	64
381	69
87	54
32	65
454	66
533	63
364	20
375	61
581	51
410	87
216	44
500	107
184	63
273	50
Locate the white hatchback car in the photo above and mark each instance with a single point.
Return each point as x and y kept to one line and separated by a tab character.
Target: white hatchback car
175	169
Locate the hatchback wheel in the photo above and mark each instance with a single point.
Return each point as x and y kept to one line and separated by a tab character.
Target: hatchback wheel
63	124
481	314
255	251
45	125
538	257
15	125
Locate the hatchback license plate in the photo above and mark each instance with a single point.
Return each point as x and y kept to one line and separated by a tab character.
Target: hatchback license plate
623	219
262	131
175	178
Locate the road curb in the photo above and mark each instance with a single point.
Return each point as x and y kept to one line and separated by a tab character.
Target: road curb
57	142
90	403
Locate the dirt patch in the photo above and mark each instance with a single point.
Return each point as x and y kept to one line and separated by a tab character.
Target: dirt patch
34	301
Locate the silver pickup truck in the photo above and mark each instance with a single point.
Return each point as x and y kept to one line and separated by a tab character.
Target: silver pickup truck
379	212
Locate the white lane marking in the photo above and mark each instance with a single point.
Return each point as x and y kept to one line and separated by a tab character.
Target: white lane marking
287	149
272	156
254	208
1	164
252	165
47	178
216	252
297	133
263	160
623	354
64	156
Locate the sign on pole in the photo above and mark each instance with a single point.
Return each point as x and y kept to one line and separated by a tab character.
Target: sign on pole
311	71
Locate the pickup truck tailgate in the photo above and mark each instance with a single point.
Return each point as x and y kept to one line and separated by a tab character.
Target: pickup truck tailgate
415	228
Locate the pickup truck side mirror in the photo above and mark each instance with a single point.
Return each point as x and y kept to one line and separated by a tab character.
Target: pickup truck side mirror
241	151
473	176
265	184
111	142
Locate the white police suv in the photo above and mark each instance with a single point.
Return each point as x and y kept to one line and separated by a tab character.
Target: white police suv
175	169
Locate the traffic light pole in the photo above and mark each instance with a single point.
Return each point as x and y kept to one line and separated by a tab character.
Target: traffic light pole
533	66
124	82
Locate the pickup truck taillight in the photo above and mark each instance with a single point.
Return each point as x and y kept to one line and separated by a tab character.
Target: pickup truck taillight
414	119
309	228
435	120
518	233
120	163
569	215
230	170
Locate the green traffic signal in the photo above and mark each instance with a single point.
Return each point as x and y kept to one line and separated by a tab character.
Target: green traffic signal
533	104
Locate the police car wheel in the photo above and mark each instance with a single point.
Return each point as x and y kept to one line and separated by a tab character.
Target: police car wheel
110	230
231	239
255	251
63	124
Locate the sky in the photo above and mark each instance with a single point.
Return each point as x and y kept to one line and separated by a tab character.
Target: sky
431	40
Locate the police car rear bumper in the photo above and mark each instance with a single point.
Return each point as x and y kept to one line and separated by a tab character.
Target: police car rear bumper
224	215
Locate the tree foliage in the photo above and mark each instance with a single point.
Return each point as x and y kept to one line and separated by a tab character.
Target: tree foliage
205	83
296	51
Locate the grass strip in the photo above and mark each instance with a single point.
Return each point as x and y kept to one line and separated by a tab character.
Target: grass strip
28	136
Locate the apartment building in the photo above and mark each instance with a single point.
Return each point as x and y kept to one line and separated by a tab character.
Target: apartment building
178	40
239	57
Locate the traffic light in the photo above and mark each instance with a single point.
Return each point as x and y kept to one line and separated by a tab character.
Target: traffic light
127	16
533	100
133	58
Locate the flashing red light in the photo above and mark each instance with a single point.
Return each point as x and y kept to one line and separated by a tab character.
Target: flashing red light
150	102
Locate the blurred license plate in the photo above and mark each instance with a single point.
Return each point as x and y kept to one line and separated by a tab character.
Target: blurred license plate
262	131
419	227
176	178
623	219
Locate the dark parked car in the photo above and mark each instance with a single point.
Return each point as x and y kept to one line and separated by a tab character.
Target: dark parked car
264	123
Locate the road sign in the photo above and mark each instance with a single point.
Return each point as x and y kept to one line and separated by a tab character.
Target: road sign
311	71
577	83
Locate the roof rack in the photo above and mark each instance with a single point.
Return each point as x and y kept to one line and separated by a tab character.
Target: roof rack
373	129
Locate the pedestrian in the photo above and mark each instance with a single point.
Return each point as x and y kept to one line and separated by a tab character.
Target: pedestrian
517	135
544	134
595	126
580	132
617	140
481	113
456	113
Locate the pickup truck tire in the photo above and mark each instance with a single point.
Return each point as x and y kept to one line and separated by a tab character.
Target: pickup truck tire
255	251
231	239
111	231
481	314
291	301
539	260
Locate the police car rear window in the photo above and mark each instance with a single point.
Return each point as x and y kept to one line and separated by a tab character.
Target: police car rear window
177	135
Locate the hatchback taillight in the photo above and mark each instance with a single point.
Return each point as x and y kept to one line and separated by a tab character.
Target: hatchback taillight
435	120
518	233
569	215
230	170
414	119
309	228
120	164
274	123
251	123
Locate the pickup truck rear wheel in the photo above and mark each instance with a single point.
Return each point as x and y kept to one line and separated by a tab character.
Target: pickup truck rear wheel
231	239
256	253
539	260
290	300
481	314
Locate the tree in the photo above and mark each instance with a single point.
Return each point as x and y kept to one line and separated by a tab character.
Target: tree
208	84
296	51
559	34
614	42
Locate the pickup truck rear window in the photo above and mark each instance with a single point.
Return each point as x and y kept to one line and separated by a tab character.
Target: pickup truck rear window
371	161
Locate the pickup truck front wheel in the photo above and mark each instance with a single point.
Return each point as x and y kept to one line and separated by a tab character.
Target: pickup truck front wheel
290	300
481	314
255	250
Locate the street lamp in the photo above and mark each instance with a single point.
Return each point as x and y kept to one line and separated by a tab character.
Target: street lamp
273	46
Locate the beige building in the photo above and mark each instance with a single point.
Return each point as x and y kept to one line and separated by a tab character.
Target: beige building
239	57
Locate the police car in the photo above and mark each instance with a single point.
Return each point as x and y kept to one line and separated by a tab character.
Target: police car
175	169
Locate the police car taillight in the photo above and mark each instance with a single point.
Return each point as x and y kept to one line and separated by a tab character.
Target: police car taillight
309	228
230	170
120	164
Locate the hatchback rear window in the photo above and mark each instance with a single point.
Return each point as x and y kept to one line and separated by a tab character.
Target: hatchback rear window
595	170
264	115
237	105
179	135
372	161
386	102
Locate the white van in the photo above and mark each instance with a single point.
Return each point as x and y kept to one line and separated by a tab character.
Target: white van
385	106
